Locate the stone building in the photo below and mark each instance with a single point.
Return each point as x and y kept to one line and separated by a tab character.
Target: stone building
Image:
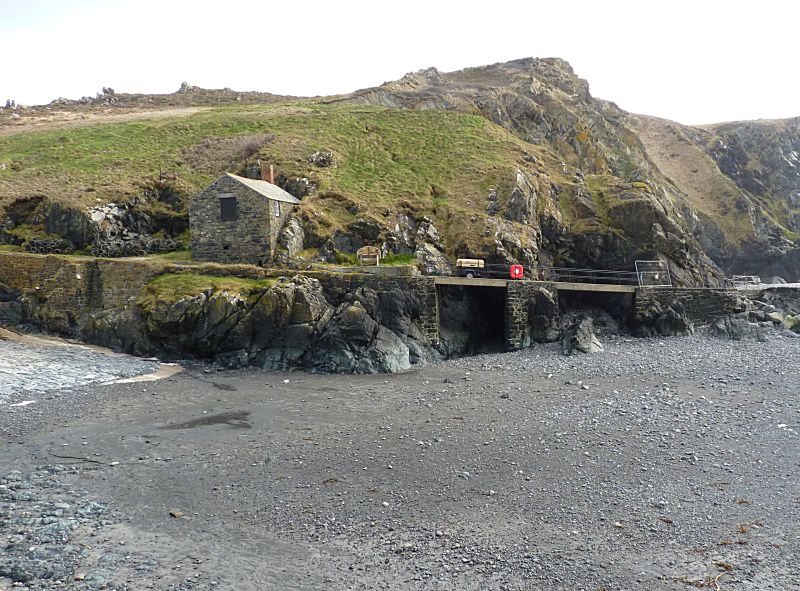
237	220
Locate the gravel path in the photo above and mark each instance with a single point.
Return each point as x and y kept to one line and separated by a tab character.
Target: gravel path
658	464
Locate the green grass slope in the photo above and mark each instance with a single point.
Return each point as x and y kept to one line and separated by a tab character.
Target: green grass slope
428	162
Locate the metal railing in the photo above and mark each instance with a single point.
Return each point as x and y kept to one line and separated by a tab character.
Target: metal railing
572	275
742	281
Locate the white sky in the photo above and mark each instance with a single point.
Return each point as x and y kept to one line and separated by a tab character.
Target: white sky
697	61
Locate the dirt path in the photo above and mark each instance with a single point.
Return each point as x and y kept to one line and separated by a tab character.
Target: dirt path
62	119
659	464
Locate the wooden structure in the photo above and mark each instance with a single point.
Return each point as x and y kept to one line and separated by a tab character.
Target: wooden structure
369	256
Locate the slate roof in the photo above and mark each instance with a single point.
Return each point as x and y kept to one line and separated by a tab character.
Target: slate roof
266	189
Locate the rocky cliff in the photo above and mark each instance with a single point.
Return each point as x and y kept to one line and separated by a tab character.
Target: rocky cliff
513	162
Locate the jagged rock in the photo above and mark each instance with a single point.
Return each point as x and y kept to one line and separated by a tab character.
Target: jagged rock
321	159
298	186
353	342
427	232
69	223
327	252
291	239
659	321
401	238
522	202
49	246
544	317
580	337
120	329
345	242
775	317
737	327
512	245
291	325
432	261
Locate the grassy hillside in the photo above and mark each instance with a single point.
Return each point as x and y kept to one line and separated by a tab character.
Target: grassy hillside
428	162
382	155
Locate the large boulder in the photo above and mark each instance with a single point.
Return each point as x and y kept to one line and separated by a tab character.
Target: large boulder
792	322
738	327
120	329
69	223
579	337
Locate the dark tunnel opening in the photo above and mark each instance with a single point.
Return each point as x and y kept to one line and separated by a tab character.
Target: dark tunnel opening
472	320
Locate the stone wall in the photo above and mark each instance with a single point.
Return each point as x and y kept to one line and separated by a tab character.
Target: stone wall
518	297
68	286
250	238
701	304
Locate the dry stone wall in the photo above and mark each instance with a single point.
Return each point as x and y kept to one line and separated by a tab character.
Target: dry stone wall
700	304
518	296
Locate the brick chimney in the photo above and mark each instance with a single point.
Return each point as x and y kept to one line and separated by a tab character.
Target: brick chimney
267	173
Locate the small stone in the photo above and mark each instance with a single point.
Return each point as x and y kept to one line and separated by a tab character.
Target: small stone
175	513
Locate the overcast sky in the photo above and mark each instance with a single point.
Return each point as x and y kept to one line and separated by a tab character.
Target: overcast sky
697	61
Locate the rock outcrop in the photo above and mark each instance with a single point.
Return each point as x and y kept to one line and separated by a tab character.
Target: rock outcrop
10	306
659	320
579	337
544	317
291	325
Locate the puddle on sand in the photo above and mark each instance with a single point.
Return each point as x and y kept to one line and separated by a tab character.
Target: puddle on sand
235	419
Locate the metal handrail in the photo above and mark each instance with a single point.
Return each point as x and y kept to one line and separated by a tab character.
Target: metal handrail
574	275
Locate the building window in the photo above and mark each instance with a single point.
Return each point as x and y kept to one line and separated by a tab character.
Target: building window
277	209
227	208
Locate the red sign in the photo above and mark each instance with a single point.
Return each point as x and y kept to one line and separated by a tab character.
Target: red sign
516	271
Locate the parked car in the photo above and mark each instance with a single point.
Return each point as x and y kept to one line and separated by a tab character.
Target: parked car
470	268
478	268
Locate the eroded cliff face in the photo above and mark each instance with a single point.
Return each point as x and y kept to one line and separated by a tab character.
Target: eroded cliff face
740	188
707	199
